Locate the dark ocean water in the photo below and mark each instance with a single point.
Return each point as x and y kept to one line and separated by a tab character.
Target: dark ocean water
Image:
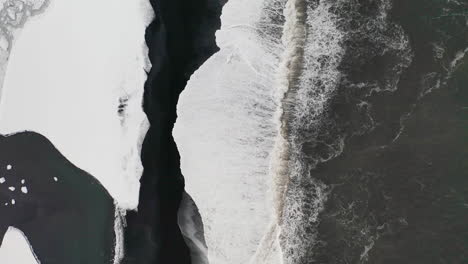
375	130
389	150
397	193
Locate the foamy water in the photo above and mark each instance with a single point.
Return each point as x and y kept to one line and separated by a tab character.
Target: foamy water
238	124
255	121
226	130
304	106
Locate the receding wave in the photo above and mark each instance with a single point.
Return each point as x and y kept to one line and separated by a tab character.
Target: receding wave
307	79
255	120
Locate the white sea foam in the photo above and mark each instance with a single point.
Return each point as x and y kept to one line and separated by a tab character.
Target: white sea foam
225	132
459	56
304	107
293	81
237	127
291	59
119	224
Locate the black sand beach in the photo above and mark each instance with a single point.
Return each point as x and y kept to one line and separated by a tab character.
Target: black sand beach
180	39
66	214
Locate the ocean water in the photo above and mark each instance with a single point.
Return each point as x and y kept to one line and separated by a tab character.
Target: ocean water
226	130
311	136
244	109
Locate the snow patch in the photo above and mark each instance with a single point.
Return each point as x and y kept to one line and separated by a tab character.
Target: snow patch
15	248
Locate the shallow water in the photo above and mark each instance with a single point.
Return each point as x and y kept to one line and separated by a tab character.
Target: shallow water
346	117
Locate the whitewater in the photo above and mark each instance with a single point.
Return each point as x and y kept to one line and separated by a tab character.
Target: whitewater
226	130
240	127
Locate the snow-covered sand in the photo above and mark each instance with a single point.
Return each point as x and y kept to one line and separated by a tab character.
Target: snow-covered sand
76	74
15	249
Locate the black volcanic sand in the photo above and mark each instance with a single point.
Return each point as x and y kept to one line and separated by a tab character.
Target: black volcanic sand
180	39
70	220
403	199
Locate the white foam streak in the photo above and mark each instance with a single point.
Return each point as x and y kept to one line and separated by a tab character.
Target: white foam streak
313	53
119	224
293	38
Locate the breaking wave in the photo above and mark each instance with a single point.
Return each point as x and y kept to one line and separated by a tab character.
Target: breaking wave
257	119
318	37
309	76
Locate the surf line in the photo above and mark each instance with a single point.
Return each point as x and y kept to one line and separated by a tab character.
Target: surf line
293	40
